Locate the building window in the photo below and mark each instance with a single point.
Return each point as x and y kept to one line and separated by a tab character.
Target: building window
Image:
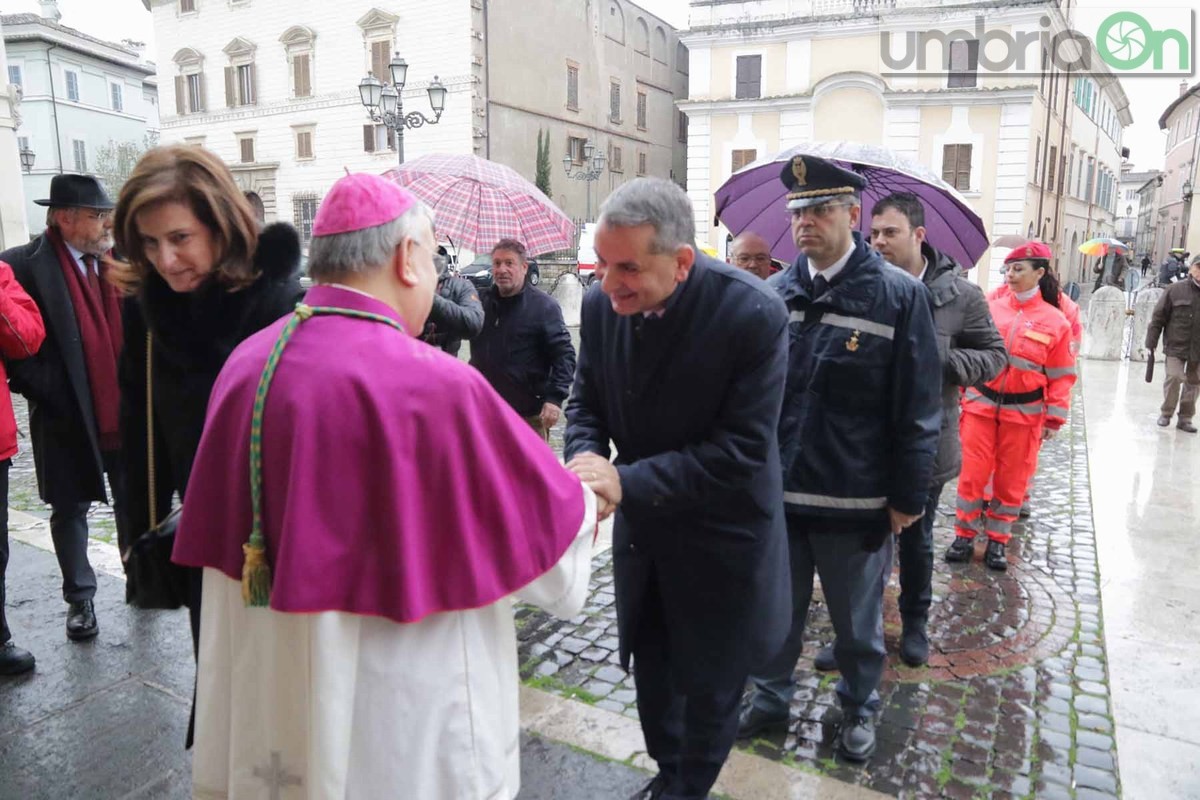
117	101
614	102
641	164
956	166
741	158
298	42
964	64
72	85
1037	161
189	83
1051	163
683	125
614	160
378	139
22	143
246	148
1091	179
304	144
304	211
381	56
240	82
572	87
641	111
14	75
79	150
749	77
187	6
194	141
575	149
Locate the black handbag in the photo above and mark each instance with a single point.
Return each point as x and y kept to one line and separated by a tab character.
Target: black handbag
152	580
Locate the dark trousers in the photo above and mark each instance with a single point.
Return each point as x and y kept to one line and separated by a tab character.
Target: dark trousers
916	561
68	529
688	731
5	633
852	579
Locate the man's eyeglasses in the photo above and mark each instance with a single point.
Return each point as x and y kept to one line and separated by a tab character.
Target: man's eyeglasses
747	258
821	211
99	216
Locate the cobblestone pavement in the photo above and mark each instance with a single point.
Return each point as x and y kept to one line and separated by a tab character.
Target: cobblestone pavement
1015	701
22	483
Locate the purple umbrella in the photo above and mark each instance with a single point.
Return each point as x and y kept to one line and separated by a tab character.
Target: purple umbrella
752	199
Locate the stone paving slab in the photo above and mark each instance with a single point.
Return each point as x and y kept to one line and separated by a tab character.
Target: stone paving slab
1014	703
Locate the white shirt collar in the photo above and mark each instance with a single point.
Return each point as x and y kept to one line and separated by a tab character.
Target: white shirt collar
78	256
924	269
831	272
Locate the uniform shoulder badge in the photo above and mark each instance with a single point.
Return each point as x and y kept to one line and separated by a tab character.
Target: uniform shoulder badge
799	170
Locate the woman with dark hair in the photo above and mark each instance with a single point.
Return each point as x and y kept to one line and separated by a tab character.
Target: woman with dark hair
1004	420
203	278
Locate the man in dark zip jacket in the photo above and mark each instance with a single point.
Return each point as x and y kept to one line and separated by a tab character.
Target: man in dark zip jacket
457	313
524	349
858	435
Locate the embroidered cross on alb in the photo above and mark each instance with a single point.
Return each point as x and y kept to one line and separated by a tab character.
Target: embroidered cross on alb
276	777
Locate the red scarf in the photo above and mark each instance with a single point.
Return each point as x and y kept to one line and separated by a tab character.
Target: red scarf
99	319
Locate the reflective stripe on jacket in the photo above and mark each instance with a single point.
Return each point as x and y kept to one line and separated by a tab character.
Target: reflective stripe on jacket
1035	386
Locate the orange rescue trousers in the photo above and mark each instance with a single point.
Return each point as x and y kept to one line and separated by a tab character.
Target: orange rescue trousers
1007	454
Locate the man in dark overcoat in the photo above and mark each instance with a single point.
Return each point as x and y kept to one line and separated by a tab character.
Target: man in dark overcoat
682	365
71	384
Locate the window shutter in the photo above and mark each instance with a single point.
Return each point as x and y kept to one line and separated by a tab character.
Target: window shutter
368	138
380	58
180	88
948	155
302	77
230	87
572	87
253	98
247	146
749	77
203	104
304	144
756	75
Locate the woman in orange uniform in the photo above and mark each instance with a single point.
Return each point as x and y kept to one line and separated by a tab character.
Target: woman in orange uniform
1005	419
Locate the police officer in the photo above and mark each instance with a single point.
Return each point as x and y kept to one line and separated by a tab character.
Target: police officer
858	436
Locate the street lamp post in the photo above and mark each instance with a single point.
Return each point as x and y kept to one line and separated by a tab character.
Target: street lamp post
27	156
593	168
385	102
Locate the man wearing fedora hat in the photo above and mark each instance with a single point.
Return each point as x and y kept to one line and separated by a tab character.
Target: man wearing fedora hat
71	384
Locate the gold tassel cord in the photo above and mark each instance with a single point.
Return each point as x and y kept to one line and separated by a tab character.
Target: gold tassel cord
256	577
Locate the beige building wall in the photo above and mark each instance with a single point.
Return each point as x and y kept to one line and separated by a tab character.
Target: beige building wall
609	42
824	78
1179	225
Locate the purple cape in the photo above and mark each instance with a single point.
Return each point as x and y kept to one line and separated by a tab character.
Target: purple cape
396	482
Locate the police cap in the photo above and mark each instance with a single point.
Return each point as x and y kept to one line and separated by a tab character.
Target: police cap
811	181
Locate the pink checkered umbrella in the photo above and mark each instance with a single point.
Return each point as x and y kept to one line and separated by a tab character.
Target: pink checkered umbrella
477	203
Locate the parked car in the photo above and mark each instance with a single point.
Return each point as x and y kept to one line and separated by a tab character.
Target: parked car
586	255
479	271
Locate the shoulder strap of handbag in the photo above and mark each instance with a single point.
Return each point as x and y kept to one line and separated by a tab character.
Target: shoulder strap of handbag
150	429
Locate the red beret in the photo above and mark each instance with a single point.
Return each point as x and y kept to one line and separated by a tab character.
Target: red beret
1029	251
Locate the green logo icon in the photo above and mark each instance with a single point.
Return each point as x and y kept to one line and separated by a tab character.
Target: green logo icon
1126	41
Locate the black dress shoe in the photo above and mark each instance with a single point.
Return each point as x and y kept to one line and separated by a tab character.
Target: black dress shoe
914	643
960	550
857	739
824	660
753	721
1164	421
14	660
652	790
995	557
1186	427
81	621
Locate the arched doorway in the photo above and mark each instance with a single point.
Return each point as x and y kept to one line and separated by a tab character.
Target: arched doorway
260	213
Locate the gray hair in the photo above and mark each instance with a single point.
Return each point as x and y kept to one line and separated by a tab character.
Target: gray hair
656	202
362	252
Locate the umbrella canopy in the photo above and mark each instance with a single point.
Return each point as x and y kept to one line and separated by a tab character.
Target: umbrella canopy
1102	246
478	202
1010	240
753	198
